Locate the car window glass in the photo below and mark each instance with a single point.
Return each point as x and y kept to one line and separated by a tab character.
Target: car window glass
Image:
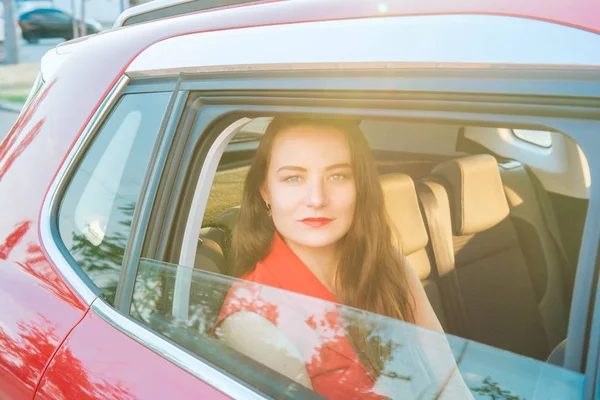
97	209
412	362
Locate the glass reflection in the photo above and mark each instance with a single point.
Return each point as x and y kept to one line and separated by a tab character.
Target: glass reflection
404	360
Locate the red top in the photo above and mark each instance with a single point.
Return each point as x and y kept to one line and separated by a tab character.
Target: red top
312	325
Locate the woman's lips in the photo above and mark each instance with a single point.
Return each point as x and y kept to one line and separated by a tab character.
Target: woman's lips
316	222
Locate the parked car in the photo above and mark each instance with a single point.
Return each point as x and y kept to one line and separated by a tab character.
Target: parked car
43	23
122	177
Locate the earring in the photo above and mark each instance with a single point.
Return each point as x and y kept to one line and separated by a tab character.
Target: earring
269	212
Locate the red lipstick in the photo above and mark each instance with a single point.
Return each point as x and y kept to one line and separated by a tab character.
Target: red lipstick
316	222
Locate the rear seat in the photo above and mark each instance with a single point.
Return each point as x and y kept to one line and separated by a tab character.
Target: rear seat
214	241
543	256
493	279
410	233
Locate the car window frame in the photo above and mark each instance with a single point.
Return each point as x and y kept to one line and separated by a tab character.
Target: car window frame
74	275
196	83
204	187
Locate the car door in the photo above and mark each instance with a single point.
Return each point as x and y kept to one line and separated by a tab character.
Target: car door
38	308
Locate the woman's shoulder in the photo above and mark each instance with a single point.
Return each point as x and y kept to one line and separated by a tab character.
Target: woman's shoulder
261	274
249	294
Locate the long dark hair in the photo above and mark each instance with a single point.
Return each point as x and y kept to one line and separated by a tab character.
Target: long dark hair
371	273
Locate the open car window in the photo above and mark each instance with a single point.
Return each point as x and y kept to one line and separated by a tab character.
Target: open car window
412	362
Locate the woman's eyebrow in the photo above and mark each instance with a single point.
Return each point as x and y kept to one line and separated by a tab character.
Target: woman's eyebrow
338	166
292	168
302	169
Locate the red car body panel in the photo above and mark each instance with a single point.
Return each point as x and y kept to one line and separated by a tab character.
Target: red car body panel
94	353
39	309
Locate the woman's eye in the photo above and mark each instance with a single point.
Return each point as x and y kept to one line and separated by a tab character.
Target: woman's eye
291	179
337	177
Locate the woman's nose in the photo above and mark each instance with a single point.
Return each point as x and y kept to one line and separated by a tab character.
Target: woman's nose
316	195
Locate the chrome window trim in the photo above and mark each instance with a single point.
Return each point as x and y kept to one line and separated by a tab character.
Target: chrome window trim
192	364
183	279
52	201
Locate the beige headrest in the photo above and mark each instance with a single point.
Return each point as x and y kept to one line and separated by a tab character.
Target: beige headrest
403	210
476	193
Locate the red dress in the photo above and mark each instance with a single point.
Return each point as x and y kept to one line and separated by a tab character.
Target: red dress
312	325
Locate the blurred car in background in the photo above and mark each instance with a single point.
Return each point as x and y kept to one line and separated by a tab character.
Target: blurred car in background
44	23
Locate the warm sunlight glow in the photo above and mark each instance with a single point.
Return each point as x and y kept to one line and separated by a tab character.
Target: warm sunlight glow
585	167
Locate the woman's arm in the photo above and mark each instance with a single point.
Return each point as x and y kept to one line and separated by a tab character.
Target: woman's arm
422	309
256	337
434	346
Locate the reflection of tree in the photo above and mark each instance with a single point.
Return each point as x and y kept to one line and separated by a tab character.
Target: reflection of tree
75	383
26	352
493	390
30	349
374	347
36	264
13	239
154	296
8	151
103	263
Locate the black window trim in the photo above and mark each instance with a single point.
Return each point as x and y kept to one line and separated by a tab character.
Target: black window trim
141	215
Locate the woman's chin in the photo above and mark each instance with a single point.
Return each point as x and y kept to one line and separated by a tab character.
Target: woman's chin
316	239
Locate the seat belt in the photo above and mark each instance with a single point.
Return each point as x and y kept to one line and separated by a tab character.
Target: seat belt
568	271
440	235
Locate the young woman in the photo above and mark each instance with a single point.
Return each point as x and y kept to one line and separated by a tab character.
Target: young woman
313	221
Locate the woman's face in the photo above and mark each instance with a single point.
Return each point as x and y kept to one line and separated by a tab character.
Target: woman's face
310	185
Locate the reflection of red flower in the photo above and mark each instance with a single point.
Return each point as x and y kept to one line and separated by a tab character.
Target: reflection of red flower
244	296
334	368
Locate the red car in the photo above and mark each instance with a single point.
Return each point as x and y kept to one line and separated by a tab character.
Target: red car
121	180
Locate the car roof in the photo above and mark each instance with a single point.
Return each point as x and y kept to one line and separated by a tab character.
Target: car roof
118	48
582	14
45	9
